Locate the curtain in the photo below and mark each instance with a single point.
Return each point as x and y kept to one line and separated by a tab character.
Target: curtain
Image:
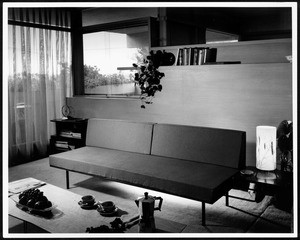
39	82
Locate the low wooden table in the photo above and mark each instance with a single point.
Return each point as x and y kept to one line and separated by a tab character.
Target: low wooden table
68	216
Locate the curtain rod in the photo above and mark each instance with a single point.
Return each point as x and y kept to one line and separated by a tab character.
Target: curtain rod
37	25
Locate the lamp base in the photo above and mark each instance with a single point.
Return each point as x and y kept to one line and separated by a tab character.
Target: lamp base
266	175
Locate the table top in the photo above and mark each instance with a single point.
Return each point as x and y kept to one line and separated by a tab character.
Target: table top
71	120
275	178
68	216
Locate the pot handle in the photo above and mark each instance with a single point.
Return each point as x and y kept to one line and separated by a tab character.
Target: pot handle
160	203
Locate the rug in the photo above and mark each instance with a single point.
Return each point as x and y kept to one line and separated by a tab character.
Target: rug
243	215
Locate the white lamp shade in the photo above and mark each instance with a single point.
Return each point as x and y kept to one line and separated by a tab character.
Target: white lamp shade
266	148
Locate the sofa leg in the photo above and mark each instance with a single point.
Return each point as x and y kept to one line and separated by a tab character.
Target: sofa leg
203	214
67	179
227	199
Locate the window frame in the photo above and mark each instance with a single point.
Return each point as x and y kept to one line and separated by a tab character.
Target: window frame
137	22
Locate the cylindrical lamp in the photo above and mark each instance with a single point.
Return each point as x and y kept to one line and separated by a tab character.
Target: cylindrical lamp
266	148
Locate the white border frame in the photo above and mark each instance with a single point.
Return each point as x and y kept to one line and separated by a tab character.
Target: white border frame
6	5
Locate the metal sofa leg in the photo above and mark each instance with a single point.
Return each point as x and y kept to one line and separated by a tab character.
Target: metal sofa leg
203	214
25	226
227	199
67	179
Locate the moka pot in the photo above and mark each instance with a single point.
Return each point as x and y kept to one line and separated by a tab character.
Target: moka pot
146	206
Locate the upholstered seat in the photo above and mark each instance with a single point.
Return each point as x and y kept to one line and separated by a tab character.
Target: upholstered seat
193	162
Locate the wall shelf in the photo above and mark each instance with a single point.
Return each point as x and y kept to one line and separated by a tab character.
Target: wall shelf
263	51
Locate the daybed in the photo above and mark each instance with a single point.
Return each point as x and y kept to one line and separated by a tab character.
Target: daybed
198	163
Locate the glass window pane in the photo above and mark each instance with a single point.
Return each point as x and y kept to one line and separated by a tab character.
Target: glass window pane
108	56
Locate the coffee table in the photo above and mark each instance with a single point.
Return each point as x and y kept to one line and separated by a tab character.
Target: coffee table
68	216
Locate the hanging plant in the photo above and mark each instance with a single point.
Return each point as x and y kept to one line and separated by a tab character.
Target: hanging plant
148	78
285	144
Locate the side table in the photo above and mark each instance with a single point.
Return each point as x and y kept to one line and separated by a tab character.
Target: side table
275	183
70	134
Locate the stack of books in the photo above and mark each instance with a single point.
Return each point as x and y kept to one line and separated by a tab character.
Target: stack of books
195	56
70	134
64	145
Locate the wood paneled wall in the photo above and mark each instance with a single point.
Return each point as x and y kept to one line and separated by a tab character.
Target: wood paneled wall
222	96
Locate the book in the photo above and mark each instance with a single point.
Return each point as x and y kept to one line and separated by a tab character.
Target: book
180	57
205	55
186	56
70	134
195	56
201	56
177	57
62	144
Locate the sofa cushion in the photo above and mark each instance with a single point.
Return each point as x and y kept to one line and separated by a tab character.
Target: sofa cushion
194	180
207	145
120	135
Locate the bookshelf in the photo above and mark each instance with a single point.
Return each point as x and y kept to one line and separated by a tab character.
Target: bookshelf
70	134
245	52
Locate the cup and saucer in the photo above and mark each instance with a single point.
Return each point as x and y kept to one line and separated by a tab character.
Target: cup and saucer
88	202
107	208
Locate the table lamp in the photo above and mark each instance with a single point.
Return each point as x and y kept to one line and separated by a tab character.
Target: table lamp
266	148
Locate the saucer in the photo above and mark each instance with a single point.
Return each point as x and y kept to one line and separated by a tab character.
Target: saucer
104	213
246	172
87	206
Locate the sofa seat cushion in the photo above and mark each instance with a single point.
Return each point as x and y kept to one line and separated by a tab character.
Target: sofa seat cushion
194	180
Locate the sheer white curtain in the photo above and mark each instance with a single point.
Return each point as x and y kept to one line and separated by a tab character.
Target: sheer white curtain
39	82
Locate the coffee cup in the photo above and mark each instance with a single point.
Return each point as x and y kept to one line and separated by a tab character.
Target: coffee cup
88	200
108	206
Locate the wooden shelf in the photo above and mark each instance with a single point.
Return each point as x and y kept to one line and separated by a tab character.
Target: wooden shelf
264	51
223	66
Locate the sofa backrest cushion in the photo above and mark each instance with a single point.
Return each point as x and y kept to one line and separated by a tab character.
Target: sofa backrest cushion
119	134
207	145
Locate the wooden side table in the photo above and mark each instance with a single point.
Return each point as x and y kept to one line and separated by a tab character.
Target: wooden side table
70	134
275	183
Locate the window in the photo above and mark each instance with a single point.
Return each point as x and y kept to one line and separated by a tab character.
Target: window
108	59
39	78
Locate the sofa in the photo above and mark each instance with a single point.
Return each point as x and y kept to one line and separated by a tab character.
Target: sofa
194	162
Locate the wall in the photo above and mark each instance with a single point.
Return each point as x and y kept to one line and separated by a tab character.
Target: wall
221	96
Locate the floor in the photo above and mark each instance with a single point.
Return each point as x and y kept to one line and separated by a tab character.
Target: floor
243	215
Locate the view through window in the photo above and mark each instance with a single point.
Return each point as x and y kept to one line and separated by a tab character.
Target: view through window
108	59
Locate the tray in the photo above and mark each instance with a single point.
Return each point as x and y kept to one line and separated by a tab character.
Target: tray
26	208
